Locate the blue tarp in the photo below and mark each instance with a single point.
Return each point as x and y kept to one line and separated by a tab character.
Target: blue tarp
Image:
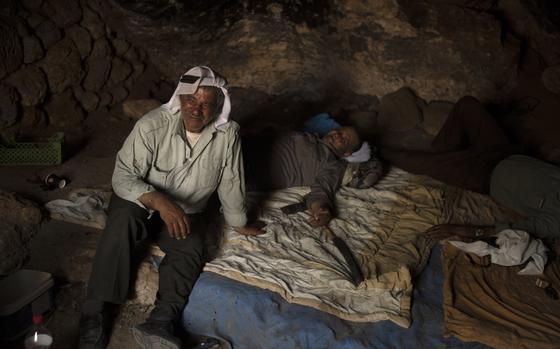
248	317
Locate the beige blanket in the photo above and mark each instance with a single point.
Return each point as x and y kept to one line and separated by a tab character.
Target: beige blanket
382	225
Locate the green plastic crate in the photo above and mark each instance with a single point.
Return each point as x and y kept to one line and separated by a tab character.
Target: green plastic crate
33	153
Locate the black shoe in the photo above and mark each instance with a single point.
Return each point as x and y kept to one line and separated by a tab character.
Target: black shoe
156	335
92	332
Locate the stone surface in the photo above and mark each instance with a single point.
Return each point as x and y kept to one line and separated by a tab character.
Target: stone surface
32	4
49	33
81	38
62	65
88	100
63	12
120	70
120	46
35	19
20	222
368	46
118	94
551	79
98	66
32	49
8	106
11	51
33	119
399	111
135	109
31	84
64	111
93	24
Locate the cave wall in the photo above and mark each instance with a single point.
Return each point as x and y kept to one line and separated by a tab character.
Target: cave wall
284	59
59	61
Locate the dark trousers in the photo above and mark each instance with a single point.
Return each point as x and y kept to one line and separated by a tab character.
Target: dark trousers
128	224
467	148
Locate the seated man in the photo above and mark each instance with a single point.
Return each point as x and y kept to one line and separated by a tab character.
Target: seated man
474	153
176	156
277	161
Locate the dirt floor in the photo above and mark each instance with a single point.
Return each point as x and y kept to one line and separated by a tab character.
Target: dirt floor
66	249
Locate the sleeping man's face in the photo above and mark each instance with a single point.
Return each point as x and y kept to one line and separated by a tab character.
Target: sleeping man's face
343	141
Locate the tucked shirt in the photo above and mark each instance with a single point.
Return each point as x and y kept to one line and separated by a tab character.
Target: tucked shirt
277	161
156	157
530	187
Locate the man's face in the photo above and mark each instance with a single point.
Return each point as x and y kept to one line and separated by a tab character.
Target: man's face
198	109
342	140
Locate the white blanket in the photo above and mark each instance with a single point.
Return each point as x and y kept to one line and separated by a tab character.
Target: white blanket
382	225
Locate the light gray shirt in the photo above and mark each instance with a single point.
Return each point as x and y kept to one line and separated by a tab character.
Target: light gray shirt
156	157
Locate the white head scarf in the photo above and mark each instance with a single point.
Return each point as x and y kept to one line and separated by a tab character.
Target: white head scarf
189	83
361	155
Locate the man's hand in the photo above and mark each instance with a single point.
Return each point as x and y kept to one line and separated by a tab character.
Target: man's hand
461	232
254	228
173	216
320	215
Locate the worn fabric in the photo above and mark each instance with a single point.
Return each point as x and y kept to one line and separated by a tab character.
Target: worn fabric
497	307
532	188
127	225
364	174
513	247
277	161
156	156
383	227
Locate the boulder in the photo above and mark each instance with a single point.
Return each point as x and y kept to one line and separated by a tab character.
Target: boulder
63	12
120	70
35	19
31	84
93	24
32	49
33	118
64	110
49	33
11	51
98	66
32	5
8	106
399	111
88	100
62	65
81	38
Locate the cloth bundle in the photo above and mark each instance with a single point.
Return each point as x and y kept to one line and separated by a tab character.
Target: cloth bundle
515	247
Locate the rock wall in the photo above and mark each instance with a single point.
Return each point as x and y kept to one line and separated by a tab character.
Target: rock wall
59	60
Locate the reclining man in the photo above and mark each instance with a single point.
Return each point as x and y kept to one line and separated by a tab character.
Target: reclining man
283	160
173	160
474	153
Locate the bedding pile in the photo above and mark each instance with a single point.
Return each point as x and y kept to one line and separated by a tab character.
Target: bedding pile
382	225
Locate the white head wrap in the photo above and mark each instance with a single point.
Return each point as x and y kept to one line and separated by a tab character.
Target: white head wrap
360	155
189	83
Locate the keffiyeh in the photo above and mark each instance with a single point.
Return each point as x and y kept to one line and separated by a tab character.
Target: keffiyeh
189	83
